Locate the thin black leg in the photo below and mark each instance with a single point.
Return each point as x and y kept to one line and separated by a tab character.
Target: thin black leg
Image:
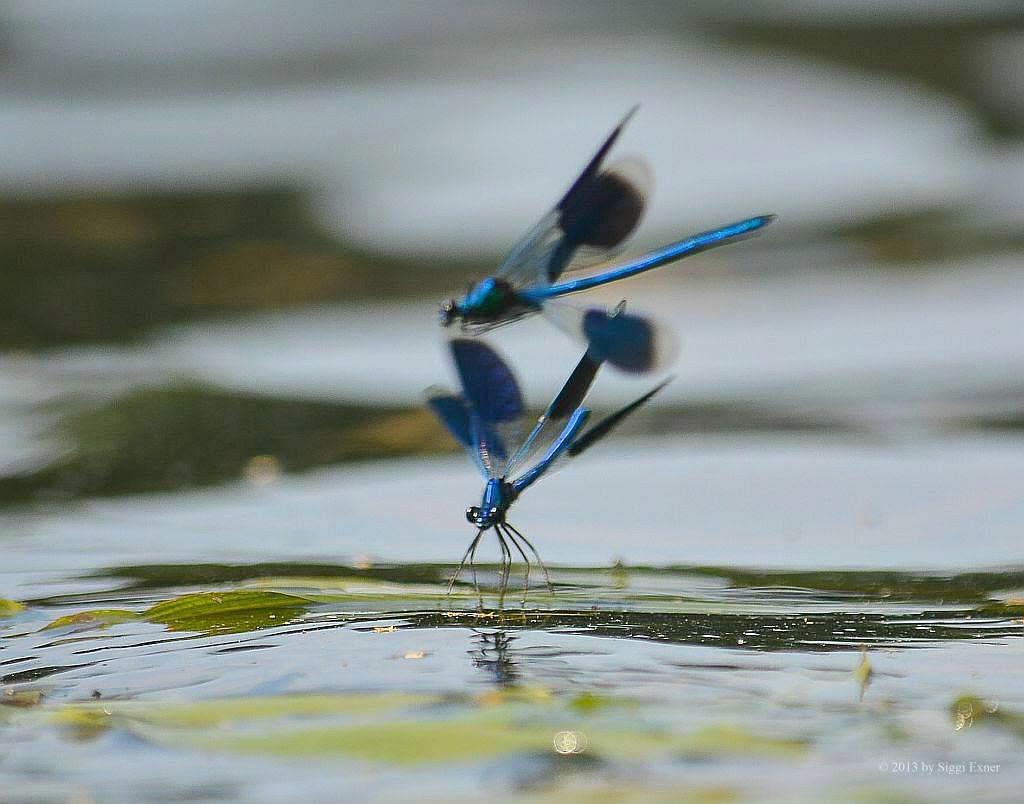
536	555
506	564
472	566
526	562
469	552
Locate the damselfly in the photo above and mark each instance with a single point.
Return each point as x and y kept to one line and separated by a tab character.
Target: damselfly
598	212
486	417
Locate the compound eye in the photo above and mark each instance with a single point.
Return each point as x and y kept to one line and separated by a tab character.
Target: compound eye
472	514
494	510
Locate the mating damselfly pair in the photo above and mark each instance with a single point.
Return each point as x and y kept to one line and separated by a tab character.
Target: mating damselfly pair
601	208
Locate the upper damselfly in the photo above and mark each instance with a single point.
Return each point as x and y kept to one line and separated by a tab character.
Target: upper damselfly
595	216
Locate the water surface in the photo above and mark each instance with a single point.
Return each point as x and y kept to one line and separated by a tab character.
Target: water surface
224	644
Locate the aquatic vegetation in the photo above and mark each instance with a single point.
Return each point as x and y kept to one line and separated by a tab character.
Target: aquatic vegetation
123	263
193	434
403	728
9	607
376	667
968	711
93	618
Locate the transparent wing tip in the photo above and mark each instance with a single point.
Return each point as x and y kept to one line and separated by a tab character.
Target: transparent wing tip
636	171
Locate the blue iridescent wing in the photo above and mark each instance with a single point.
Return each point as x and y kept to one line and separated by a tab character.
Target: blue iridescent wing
676	251
596	214
594	165
631	342
489	446
488	383
561	444
493	400
567	400
484	442
454	413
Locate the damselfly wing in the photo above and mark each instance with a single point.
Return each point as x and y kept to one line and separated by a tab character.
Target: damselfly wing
601	208
489	408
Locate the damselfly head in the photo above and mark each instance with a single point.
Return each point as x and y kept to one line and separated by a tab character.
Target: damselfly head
449	312
481	517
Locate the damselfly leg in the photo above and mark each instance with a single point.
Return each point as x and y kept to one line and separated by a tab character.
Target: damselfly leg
506	564
467	556
472	567
526	563
536	555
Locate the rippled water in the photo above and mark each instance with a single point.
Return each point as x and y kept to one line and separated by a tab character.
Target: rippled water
257	666
828	611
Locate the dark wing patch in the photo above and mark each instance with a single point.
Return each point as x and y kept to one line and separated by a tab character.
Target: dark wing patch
598	216
594	165
598	212
604	212
627	341
488	384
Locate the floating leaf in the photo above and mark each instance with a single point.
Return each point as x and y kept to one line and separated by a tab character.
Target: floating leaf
425	728
591	702
84	723
9	607
202	603
731	740
405	742
354	588
515	694
636	793
206	714
99	618
21	699
232	611
471	738
474	739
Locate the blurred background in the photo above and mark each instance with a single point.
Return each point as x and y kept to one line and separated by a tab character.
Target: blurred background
225	231
225	227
